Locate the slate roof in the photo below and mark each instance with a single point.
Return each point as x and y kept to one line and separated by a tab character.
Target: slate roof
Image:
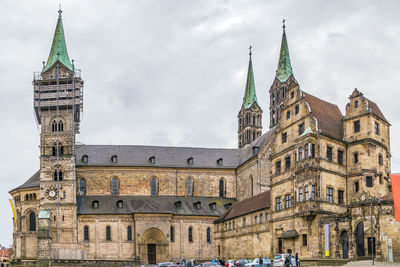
152	204
32	182
328	115
246	206
100	155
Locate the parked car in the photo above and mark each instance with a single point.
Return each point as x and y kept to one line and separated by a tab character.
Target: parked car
279	260
256	263
209	264
230	263
165	264
242	262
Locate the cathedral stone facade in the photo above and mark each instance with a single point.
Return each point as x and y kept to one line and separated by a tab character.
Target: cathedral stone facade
312	179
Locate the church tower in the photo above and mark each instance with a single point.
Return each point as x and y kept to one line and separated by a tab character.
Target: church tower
284	80
250	115
58	103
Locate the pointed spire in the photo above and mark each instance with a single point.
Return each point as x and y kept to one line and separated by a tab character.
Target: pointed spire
58	50
250	94
284	67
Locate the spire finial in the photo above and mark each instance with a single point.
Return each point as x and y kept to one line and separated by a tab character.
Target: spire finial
283	24
59	9
250	51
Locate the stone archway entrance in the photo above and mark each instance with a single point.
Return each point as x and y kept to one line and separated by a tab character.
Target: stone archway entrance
360	239
344	240
154	246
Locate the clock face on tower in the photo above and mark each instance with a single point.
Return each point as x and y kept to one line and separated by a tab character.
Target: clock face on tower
51	193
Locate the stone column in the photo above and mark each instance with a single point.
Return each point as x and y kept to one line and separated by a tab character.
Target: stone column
44	239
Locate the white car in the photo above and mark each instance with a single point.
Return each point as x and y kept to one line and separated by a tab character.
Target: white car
279	260
230	263
256	263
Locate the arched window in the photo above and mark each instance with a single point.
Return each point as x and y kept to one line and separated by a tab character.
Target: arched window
86	233
129	232
54	126
26	197
108	233
120	204
189	186
190	234
33	196
32	221
60	126
114	186
208	235
95	204
153	186
58	176
254	120
221	188
251	186
82	187
172	234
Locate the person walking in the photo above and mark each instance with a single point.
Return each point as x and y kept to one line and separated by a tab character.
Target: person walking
287	262
297	259
290	259
260	260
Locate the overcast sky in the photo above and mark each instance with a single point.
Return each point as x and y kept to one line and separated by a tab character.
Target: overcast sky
174	72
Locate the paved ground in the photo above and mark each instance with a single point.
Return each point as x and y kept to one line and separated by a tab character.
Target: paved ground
369	263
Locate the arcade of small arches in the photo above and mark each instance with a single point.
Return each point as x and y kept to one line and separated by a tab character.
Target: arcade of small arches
57	126
250	120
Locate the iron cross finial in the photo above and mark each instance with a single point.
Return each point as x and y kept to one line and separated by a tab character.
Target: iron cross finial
283	24
59	9
250	50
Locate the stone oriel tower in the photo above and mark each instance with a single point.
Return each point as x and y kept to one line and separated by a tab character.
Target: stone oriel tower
58	104
284	80
250	115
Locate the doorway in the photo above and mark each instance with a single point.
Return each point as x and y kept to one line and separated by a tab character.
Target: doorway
371	244
360	239
345	244
280	251
151	253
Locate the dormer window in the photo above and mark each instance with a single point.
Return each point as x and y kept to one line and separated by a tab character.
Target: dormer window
255	149
152	160
189	161
178	204
213	205
85	158
197	205
228	205
120	204
114	159
95	204
220	161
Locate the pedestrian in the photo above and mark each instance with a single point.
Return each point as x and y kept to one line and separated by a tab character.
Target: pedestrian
260	260
287	263
290	258
297	259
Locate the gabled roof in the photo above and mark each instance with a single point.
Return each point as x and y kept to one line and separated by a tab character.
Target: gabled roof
58	50
164	156
153	204
31	182
328	116
246	206
375	109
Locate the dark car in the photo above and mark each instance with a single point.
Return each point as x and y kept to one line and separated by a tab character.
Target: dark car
242	262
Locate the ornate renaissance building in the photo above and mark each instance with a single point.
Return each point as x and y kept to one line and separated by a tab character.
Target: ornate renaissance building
312	179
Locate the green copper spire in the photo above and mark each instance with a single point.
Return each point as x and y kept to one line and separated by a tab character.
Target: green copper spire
250	94
58	50
284	67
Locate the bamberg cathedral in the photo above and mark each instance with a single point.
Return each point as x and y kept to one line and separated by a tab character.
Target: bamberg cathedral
308	184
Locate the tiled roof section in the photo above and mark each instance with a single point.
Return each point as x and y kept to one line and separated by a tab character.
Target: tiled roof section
176	157
153	204
375	110
32	182
246	206
327	114
248	152
388	197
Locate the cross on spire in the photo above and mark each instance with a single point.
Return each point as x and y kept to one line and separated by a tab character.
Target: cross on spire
283	24
250	50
